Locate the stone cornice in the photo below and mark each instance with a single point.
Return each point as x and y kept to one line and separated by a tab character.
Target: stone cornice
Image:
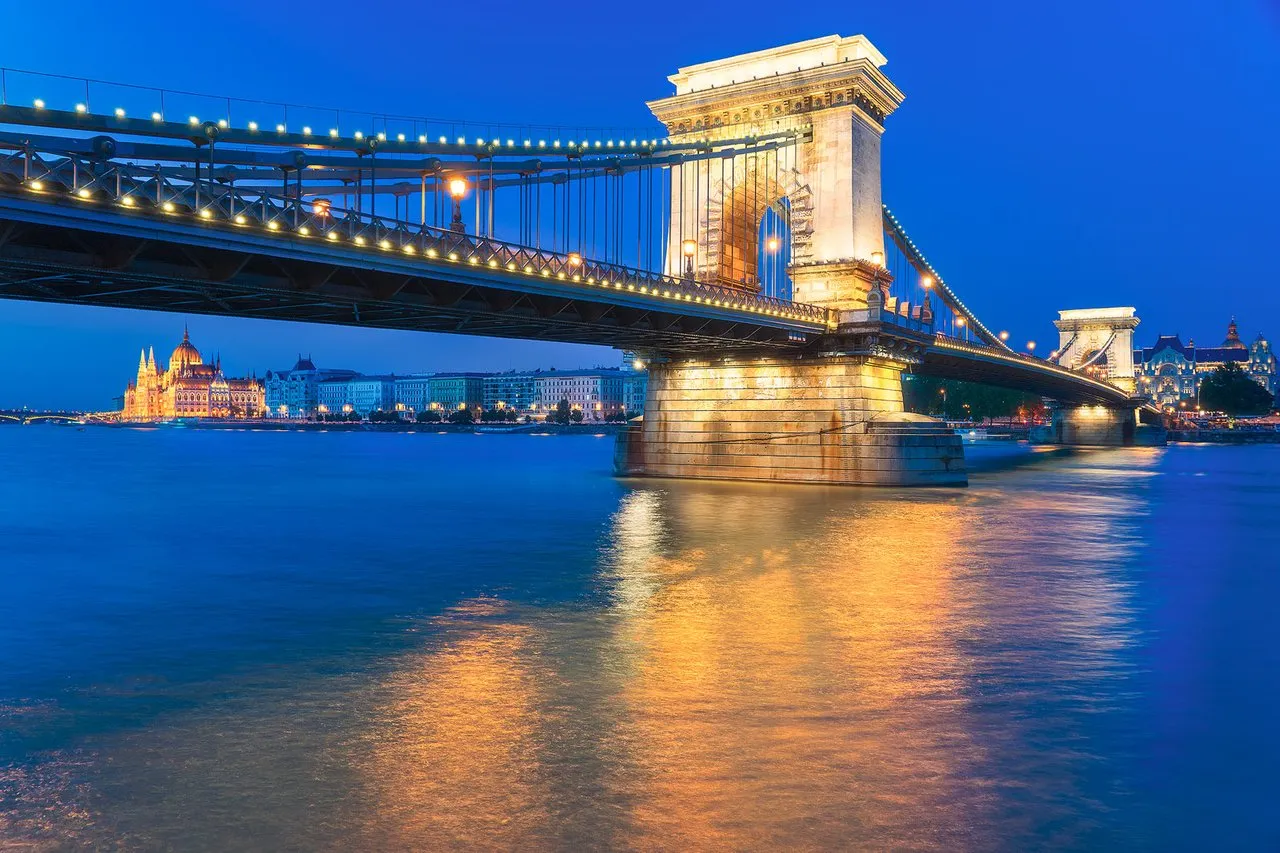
1101	324
853	83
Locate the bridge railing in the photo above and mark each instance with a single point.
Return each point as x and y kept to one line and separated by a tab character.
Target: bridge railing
894	312
134	189
966	319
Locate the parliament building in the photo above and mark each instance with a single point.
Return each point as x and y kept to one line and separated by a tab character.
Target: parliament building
189	388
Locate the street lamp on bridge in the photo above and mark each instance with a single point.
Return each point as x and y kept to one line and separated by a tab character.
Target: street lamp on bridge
689	248
457	191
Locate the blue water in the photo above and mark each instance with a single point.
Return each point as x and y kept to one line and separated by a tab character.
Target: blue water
355	641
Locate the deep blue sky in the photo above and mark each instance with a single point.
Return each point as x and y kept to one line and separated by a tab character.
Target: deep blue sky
1047	156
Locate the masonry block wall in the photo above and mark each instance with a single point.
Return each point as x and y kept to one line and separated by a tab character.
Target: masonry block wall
835	420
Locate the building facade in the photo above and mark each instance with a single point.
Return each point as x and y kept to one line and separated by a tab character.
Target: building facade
373	394
189	388
333	396
449	391
514	389
596	393
295	393
413	393
635	384
1170	372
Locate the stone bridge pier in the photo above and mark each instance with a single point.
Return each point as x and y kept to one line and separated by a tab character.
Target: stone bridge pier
1098	426
835	420
834	415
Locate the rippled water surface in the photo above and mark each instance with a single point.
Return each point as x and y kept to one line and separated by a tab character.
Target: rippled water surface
335	641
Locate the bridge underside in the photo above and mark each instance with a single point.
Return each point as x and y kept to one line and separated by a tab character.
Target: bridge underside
1010	372
41	261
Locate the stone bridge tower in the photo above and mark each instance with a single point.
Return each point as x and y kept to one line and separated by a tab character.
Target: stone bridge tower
832	90
1101	338
834	414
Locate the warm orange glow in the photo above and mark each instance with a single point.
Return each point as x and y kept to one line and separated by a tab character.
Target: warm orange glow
877	258
689	248
575	260
1004	336
772	245
926	280
457	188
320	207
189	388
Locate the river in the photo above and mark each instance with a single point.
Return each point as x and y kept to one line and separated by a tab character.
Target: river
215	640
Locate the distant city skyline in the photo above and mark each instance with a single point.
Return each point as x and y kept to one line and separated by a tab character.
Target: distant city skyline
104	337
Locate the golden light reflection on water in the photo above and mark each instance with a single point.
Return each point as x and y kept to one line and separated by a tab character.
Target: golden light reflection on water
447	761
786	685
775	664
751	667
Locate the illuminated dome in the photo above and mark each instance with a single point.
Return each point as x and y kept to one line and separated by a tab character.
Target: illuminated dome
1233	337
186	353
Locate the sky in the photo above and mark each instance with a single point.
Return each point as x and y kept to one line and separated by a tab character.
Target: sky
1047	156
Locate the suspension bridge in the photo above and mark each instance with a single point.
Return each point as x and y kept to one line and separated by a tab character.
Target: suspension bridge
740	247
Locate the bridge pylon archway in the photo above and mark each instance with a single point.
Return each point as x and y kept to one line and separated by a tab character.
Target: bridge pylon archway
1098	340
831	94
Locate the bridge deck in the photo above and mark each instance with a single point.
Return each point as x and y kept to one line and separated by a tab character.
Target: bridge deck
58	247
117	234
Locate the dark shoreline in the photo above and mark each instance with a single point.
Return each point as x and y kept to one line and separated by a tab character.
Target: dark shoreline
308	426
1223	436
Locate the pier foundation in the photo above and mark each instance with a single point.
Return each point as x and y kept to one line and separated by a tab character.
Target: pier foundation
833	420
1098	426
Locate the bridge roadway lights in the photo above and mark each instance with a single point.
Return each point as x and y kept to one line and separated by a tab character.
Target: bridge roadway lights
828	419
1098	426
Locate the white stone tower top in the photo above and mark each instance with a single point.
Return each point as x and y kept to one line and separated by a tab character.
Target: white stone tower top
801	56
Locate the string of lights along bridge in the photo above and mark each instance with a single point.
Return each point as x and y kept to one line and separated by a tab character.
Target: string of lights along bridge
579	197
637	205
740	228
